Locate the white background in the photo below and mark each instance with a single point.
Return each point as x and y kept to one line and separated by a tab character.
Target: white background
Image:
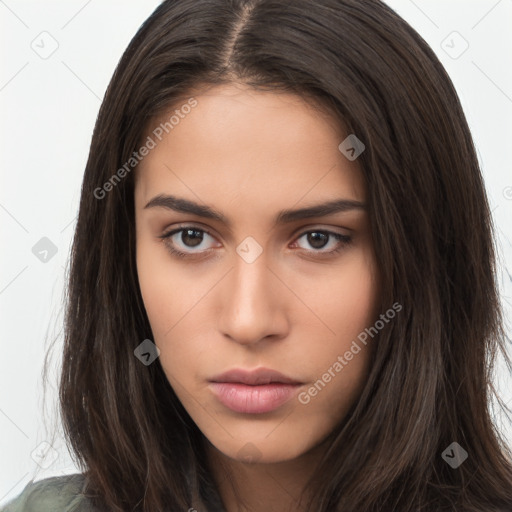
49	107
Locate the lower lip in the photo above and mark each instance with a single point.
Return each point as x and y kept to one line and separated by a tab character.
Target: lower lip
253	399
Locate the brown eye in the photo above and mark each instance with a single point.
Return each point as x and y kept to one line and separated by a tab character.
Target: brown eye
191	237
182	241
319	239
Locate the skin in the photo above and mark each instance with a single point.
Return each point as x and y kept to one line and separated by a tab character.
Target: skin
249	155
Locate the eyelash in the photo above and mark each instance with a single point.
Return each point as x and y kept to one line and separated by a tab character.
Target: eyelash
343	240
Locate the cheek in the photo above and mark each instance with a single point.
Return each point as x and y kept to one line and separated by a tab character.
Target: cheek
336	352
171	299
156	286
356	303
344	301
168	292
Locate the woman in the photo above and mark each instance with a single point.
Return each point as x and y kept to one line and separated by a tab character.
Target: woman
282	291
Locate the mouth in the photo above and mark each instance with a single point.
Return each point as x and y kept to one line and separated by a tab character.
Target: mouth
253	392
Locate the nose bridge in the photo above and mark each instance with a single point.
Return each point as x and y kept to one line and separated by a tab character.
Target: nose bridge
250	278
250	287
250	310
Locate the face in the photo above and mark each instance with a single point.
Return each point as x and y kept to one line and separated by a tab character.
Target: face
254	300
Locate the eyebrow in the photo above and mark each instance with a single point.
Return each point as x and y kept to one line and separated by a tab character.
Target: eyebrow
182	205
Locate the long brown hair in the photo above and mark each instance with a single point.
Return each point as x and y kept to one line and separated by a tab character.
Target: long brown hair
431	372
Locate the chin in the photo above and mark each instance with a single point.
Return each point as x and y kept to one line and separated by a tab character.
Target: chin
258	449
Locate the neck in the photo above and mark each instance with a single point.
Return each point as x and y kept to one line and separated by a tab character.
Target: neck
263	487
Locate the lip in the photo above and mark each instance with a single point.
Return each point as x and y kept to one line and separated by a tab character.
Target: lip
254	377
253	392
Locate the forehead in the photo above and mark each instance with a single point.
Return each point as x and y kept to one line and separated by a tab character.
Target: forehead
250	147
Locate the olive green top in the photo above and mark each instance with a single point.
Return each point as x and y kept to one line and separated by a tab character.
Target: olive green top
66	494
55	494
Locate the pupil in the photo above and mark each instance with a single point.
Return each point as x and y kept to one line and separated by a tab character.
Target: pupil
195	234
317	240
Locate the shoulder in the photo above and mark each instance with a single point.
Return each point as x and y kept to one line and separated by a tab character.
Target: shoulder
54	494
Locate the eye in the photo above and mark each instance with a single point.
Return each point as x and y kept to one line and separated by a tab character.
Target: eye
187	237
319	239
181	240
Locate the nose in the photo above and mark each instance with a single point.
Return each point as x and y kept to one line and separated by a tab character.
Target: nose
253	304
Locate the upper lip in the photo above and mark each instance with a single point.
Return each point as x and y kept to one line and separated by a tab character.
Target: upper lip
256	377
